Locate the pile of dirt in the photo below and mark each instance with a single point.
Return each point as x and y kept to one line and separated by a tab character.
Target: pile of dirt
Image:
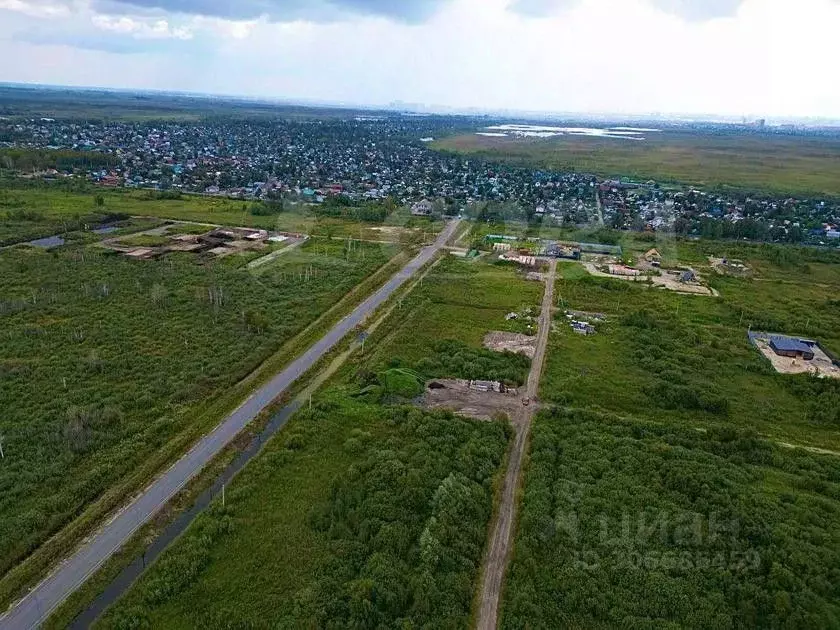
511	342
457	396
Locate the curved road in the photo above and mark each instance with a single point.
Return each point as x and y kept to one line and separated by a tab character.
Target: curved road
33	609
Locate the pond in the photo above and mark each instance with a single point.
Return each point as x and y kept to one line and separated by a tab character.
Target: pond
539	131
49	241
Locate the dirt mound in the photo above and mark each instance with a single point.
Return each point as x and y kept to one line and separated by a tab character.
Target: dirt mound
459	397
511	342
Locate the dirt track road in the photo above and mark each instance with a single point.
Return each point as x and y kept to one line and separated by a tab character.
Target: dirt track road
501	543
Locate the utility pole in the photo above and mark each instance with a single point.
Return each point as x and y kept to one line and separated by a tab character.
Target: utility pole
2	454
223	495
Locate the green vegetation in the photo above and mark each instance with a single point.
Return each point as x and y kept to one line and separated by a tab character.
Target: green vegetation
661	490
775	163
637	524
34	211
28	160
145	240
688	358
456	360
460	301
108	363
363	517
358	514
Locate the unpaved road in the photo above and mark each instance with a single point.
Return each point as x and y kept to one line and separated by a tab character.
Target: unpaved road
501	543
33	609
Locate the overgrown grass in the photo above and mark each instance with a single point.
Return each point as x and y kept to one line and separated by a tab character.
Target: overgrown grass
43	211
636	524
362	516
106	360
774	163
687	359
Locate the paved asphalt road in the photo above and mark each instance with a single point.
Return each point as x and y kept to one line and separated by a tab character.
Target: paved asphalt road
32	610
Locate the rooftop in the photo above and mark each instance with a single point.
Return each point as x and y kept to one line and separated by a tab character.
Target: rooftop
789	344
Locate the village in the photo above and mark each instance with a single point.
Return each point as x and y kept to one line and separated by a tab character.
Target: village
361	160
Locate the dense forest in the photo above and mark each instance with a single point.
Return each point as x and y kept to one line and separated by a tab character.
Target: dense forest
393	533
640	525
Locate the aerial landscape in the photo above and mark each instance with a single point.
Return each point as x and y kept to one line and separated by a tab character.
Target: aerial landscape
321	356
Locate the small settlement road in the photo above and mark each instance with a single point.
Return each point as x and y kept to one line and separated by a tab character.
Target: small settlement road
501	544
33	609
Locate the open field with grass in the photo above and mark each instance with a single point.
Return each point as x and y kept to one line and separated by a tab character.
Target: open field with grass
687	359
107	363
27	213
799	165
646	524
363	511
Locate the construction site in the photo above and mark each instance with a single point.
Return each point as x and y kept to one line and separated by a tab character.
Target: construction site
793	355
205	240
482	400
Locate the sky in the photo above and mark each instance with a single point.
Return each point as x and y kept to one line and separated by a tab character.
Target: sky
754	58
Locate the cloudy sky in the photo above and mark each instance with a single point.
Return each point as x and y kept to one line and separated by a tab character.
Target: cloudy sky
742	57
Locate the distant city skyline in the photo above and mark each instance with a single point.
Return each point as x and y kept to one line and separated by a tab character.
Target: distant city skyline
727	58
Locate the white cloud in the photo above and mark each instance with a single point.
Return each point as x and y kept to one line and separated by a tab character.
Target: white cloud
770	58
35	8
142	29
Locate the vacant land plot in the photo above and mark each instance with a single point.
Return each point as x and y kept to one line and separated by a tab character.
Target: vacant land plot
34	212
457	396
365	511
670	357
108	362
796	165
669	280
511	342
636	524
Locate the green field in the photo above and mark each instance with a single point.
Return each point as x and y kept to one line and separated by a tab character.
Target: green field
687	358
363	512
109	364
28	213
668	422
798	165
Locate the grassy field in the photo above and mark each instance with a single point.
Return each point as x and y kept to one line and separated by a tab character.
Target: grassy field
783	164
660	490
460	301
106	361
687	359
638	524
363	512
27	213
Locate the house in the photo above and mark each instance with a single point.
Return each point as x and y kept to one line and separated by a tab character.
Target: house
422	208
583	328
654	258
794	348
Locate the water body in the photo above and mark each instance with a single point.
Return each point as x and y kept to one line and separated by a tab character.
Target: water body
48	242
129	574
542	131
105	229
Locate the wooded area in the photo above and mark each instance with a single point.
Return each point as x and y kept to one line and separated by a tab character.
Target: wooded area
637	524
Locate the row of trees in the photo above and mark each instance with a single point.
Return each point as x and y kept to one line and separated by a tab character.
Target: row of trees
65	160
